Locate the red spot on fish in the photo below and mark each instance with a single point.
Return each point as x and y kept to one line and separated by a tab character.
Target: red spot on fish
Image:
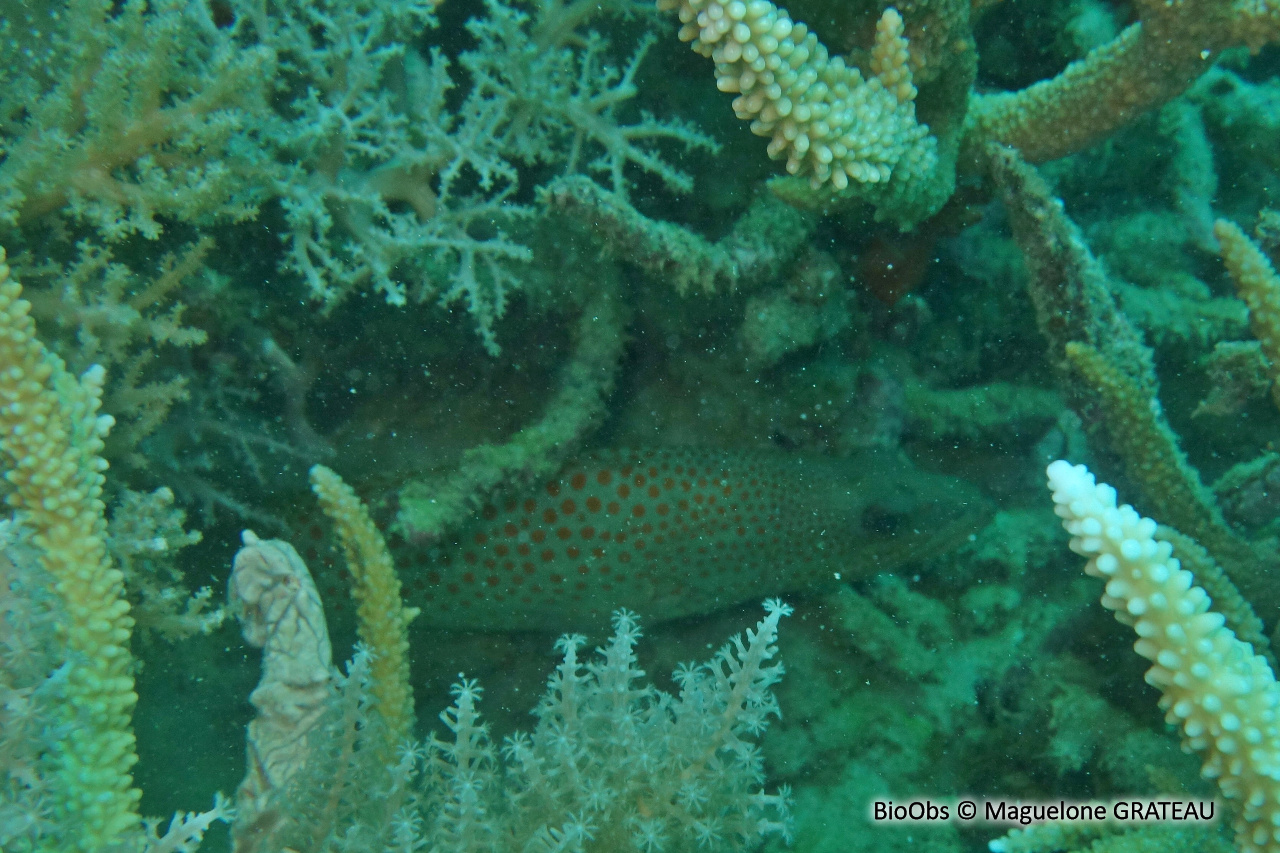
593	504
568	507
578	481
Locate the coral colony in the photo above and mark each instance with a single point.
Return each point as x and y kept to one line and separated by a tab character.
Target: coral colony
363	360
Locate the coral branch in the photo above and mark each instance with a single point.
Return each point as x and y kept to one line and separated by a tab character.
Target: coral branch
52	435
1214	687
1259	286
383	618
821	115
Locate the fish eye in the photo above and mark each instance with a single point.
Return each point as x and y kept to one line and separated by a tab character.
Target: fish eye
881	520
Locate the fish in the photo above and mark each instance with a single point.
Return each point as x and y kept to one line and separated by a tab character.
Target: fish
672	533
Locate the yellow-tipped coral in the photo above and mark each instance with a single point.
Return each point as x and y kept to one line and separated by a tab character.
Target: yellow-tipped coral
383	619
52	436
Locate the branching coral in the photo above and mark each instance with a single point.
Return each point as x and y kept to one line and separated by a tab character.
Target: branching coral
1213	686
122	118
52	436
383	618
821	115
1259	286
834	125
409	193
1149	63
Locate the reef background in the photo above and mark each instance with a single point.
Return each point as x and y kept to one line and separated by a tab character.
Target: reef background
289	240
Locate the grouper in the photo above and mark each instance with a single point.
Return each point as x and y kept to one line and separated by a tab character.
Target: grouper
668	533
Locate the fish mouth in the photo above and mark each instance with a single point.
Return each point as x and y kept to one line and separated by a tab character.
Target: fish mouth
917	538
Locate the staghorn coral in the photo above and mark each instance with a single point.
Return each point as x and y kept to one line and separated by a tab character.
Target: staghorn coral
1213	686
85	750
52	438
816	110
830	123
1259	288
384	621
1147	64
978	670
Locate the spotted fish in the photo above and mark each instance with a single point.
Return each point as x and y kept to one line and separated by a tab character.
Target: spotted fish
671	533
